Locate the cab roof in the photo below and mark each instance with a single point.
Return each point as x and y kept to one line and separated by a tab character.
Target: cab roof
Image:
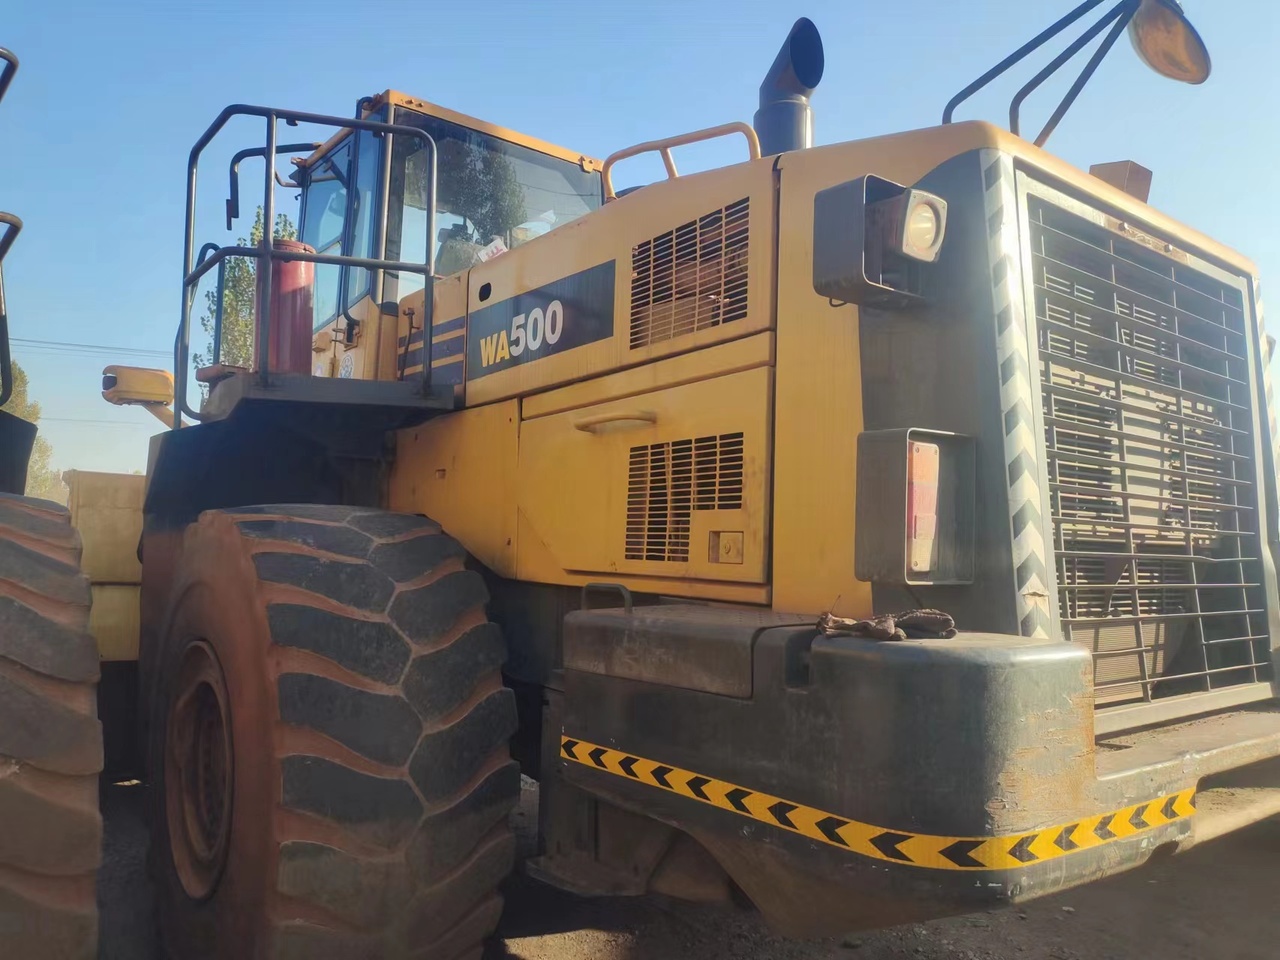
397	99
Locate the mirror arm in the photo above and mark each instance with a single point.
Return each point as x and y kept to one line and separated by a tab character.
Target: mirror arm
1124	10
1121	24
233	200
1017	56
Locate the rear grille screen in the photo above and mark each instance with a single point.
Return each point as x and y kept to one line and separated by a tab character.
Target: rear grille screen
690	278
1149	432
668	481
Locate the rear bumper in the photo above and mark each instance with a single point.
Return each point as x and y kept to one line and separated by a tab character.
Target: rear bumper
860	784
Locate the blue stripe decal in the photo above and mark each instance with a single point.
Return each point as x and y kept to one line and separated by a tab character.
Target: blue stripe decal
448	373
458	323
450	348
439	351
437	330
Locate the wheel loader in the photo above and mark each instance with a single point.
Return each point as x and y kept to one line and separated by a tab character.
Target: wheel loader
50	737
867	532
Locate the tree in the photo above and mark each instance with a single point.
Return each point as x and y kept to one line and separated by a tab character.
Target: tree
42	480
239	289
481	185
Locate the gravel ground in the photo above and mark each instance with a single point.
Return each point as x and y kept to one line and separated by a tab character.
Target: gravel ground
1218	902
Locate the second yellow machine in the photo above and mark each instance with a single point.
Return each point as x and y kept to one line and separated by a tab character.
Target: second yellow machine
659	434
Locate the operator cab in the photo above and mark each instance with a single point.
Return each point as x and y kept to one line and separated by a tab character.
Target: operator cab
495	190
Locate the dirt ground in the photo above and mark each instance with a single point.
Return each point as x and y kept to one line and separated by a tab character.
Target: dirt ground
1216	902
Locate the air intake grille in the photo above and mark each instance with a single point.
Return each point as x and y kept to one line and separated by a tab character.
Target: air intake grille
668	481
690	278
1148	415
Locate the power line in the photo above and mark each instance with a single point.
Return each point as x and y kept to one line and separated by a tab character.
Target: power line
105	358
66	347
101	423
88	349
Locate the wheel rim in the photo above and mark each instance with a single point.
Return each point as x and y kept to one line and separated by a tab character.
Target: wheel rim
199	771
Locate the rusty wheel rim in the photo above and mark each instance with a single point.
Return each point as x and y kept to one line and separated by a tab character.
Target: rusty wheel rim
199	771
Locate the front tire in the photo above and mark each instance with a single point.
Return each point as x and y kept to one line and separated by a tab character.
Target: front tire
329	737
50	738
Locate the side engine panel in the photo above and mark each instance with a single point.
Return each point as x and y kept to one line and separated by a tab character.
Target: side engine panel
671	268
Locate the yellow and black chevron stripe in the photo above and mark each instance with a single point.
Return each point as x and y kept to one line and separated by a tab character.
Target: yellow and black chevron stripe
880	843
448	346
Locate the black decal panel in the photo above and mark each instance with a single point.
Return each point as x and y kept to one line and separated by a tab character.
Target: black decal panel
568	313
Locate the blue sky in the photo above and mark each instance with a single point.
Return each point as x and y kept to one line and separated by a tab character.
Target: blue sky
111	96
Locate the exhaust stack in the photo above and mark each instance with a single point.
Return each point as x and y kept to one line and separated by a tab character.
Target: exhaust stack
785	119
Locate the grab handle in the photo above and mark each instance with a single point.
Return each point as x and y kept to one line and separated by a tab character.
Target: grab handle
589	424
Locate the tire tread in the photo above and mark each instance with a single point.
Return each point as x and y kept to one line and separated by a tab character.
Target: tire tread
406	593
50	749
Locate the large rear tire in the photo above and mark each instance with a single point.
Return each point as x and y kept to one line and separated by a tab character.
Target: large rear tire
329	741
50	738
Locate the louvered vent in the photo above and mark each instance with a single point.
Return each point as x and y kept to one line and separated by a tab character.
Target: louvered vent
1148	411
668	481
690	278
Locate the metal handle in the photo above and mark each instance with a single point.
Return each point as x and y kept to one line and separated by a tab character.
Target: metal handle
617	588
589	424
664	146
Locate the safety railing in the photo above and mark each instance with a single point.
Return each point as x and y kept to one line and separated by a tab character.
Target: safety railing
12	226
211	255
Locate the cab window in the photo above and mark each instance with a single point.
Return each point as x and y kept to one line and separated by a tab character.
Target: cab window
492	195
324	211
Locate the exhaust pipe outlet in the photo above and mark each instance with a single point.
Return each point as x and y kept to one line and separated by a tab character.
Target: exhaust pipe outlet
785	119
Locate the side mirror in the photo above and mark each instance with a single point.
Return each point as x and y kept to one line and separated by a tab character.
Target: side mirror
1167	42
138	386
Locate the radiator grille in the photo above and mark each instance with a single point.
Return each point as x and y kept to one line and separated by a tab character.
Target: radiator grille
668	481
1148	415
690	278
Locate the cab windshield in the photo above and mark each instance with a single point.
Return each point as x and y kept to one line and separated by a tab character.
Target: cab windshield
492	196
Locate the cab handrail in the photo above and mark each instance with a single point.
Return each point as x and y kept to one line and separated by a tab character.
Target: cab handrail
266	253
664	146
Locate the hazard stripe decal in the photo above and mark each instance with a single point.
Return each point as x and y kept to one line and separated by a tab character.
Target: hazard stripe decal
896	846
1019	401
